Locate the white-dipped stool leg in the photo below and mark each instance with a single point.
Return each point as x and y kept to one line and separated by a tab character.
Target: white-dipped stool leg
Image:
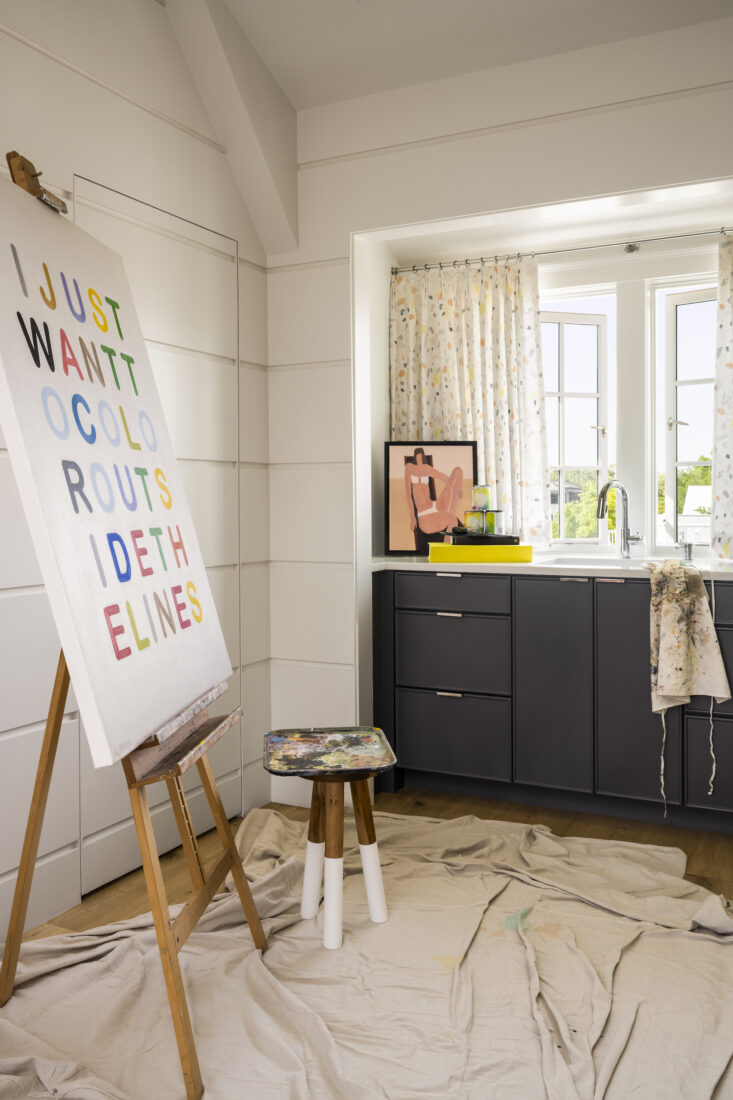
333	864
369	850
333	897
373	882
312	878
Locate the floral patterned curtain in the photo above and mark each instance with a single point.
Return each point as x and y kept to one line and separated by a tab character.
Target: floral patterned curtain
721	533
465	363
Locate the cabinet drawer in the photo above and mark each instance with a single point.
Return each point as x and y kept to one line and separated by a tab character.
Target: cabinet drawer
699	763
466	735
453	592
723	602
453	652
701	703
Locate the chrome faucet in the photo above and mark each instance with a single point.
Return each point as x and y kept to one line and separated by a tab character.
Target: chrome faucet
622	521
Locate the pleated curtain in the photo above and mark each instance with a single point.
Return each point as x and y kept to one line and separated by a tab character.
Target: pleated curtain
721	525
466	363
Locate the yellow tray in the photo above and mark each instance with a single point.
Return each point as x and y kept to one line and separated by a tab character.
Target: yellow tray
447	552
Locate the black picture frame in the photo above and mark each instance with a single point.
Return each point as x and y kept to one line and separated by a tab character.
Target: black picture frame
442	497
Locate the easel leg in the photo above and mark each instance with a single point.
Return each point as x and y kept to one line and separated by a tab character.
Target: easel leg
166	940
186	831
226	837
33	829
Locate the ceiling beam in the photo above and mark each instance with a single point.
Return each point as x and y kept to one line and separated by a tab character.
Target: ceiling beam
252	117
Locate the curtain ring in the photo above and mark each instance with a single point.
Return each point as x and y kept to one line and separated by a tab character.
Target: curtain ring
455	263
414	268
440	265
496	259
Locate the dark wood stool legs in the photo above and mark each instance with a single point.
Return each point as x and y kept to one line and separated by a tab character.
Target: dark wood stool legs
314	855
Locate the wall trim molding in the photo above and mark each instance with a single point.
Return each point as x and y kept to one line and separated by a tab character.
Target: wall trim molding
516	124
332	261
153	111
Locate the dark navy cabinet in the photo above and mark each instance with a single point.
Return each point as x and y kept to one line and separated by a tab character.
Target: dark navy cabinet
537	689
553	682
628	734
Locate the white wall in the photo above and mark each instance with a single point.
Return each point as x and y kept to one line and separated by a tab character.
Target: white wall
632	115
77	105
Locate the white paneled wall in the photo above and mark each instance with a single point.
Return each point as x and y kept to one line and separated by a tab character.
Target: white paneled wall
311	509
145	134
187	279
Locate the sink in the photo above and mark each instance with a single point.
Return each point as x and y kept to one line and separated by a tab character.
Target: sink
598	560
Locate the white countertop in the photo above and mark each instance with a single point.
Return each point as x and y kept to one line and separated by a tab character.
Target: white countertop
555	564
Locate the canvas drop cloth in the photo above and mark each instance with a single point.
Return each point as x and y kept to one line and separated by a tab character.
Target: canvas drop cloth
516	965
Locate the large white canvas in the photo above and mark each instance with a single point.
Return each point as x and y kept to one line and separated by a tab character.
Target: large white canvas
99	482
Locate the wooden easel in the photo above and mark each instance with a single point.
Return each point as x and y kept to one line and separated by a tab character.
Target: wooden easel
187	740
163	757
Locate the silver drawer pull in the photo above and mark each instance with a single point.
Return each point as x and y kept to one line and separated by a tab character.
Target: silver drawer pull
450	614
450	694
611	580
575	580
458	575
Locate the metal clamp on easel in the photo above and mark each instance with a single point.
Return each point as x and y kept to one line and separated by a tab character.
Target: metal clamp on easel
24	173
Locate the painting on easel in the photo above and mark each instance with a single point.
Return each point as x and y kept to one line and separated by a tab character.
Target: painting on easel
99	482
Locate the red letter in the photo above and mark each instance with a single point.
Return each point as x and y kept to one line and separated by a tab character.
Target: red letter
179	606
68	356
114	609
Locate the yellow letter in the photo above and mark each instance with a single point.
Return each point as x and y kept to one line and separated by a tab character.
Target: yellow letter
195	605
97	307
50	302
160	478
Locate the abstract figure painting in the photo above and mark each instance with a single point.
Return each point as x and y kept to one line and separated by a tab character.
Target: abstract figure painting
99	482
427	488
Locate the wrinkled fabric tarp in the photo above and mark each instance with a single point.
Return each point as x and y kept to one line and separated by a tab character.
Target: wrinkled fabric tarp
515	965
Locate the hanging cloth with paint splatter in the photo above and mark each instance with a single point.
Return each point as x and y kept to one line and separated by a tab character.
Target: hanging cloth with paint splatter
685	654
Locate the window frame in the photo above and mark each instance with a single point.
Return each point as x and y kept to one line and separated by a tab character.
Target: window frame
673	384
600	322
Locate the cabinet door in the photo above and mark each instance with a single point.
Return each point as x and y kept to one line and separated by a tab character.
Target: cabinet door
455	733
553	682
628	734
450	651
699	764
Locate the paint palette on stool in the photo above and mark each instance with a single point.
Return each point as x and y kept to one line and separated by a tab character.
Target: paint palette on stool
324	750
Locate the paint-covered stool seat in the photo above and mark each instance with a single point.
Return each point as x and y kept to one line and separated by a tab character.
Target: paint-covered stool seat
331	757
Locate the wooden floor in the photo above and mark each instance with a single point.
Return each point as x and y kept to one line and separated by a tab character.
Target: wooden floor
710	855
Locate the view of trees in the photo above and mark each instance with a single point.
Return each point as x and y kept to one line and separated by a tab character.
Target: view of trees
580	514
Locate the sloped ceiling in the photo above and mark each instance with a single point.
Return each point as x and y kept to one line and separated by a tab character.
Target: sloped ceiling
322	51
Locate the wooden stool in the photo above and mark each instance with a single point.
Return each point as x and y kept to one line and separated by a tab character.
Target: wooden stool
332	757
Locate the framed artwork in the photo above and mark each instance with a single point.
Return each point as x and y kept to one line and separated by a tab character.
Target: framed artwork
427	488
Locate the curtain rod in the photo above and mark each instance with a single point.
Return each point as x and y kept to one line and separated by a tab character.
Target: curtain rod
628	246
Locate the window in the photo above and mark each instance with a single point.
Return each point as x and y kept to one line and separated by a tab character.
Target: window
685	369
575	364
